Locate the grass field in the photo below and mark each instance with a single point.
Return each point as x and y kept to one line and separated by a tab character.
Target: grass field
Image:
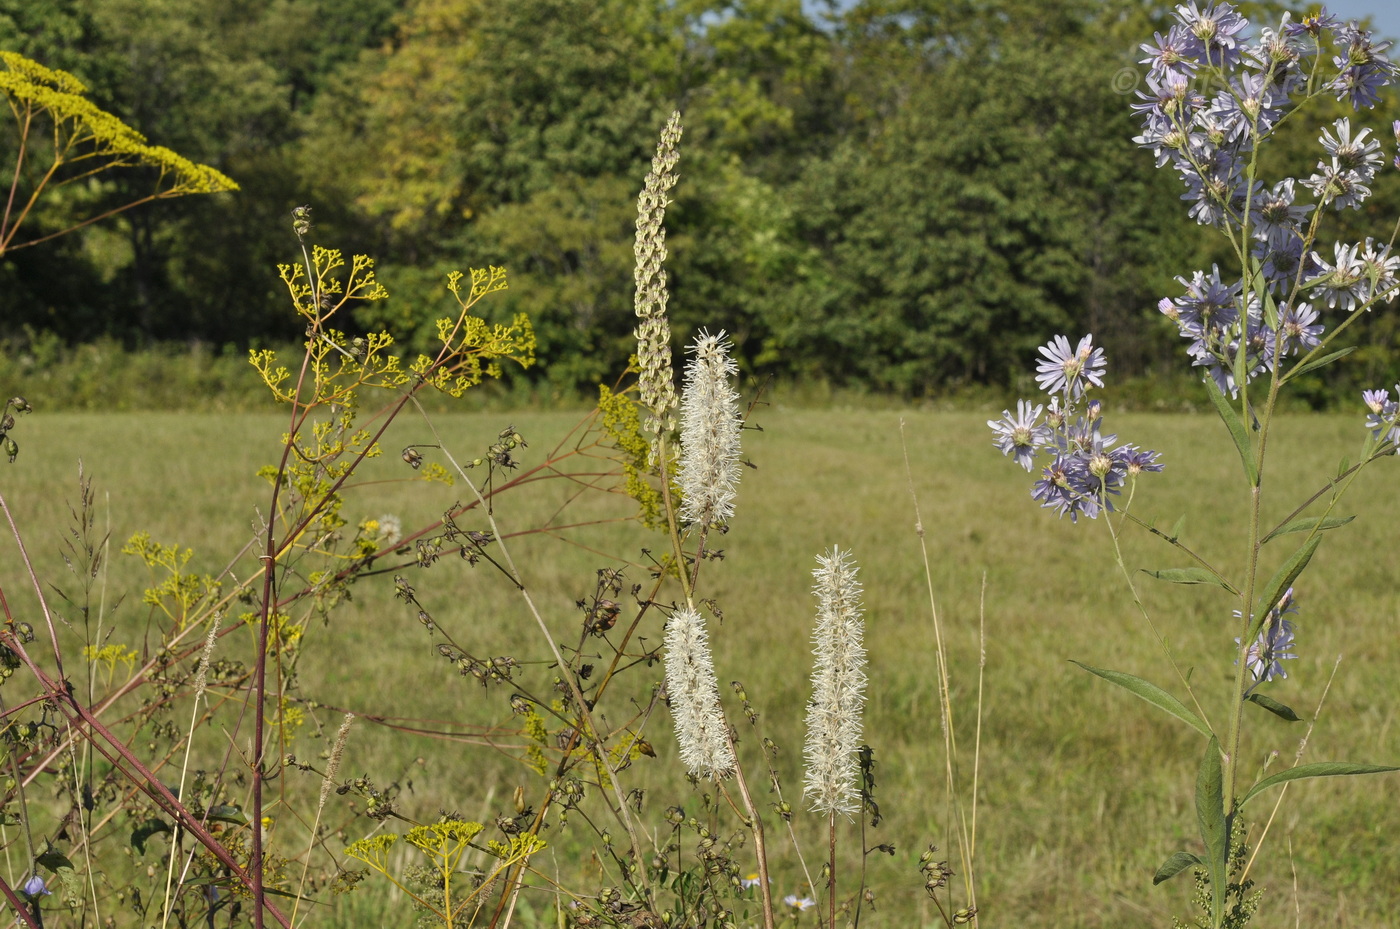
1084	790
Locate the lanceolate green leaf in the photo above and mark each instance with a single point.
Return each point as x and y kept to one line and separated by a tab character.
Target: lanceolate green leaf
1317	769
1153	695
1232	420
1215	831
1287	573
1316	363
1189	576
1307	524
1178	862
1273	706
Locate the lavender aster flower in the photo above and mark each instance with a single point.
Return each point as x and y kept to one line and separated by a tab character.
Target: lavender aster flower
838	688
1363	67
1341	282
1214	31
1384	415
710	427
1271	648
701	729
1313	24
1022	434
1170	54
1066	371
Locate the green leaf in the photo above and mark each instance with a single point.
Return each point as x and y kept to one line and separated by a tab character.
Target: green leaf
1317	769
1258	285
1188	576
1177	529
1308	524
1232	421
228	814
1273	706
1316	363
1287	573
1178	862
1215	831
53	859
1153	695
144	831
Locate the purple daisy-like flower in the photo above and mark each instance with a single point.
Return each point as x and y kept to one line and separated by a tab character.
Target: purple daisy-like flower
1359	154
1277	218
1363	68
1338	282
1313	24
1378	273
1383	416
1272	646
1169	54
1069	371
1053	490
1214	31
1021	434
1301	330
1136	460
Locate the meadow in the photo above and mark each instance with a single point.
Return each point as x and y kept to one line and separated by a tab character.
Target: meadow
1083	790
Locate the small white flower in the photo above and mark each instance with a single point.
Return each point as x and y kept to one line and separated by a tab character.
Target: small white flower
838	688
710	425
701	729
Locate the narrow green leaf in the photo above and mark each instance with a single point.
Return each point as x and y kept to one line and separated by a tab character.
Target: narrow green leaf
1215	832
1316	363
1232	421
1273	706
1178	862
1188	576
1260	286
1288	573
1308	524
1177	529
1153	695
1317	769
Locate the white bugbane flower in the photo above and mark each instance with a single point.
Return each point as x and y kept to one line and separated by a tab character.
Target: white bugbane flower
701	729
710	425
658	392
838	688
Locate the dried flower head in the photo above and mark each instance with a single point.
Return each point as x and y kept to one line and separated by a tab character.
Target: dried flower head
694	693
658	391
710	425
838	688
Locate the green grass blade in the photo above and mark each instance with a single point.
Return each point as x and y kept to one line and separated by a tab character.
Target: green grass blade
1317	769
1153	695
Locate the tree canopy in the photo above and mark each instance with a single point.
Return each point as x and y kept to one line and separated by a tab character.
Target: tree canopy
905	195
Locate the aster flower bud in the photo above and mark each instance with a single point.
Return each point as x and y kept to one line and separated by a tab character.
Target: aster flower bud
701	729
838	688
710	426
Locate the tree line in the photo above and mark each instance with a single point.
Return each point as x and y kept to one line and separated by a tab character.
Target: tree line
904	195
